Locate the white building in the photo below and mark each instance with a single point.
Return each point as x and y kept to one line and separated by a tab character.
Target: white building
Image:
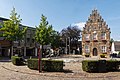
115	48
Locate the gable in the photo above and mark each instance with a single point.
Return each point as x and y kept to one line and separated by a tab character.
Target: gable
95	22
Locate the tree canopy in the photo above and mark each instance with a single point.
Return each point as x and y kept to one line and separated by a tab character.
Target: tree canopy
44	32
72	32
55	42
12	30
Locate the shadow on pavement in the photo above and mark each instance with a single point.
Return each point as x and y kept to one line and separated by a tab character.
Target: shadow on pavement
5	59
67	71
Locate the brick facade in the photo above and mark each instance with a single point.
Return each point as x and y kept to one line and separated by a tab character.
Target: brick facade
95	36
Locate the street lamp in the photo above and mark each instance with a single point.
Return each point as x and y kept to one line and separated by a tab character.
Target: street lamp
69	44
66	47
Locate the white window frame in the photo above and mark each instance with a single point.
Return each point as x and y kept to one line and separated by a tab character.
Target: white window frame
103	48
94	36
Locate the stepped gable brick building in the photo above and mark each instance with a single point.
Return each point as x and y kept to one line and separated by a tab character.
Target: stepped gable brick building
96	36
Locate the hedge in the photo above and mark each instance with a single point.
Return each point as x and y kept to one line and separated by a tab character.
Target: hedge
90	65
102	55
100	65
32	64
112	65
17	60
87	55
47	65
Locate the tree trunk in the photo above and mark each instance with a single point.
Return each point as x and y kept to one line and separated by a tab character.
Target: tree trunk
40	58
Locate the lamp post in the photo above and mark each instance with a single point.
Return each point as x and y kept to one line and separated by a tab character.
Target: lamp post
66	47
69	44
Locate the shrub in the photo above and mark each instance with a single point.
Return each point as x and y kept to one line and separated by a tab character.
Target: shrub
17	60
90	65
100	65
0	55
102	55
32	63
47	65
87	55
52	65
0	58
112	65
118	55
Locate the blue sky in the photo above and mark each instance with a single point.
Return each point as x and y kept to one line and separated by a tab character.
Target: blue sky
62	13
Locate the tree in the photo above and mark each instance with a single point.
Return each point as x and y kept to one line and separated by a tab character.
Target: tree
12	30
111	41
44	32
43	36
55	42
71	34
71	31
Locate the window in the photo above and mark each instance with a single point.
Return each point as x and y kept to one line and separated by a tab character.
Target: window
99	25
103	35
98	20
33	40
103	49
94	36
28	39
87	37
91	21
87	50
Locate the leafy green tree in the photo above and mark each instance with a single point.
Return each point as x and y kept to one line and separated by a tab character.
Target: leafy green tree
43	36
111	40
43	32
72	34
55	42
12	30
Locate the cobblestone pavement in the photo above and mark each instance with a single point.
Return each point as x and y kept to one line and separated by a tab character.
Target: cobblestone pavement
73	71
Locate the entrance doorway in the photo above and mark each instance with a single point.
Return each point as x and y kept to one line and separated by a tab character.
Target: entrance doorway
95	52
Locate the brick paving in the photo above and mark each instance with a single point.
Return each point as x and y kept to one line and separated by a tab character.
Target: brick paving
73	71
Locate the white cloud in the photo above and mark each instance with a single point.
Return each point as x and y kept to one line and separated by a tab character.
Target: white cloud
80	25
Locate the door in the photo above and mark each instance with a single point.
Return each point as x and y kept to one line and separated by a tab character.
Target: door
95	52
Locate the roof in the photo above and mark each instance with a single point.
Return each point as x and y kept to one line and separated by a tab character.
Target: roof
5	19
117	45
1	18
